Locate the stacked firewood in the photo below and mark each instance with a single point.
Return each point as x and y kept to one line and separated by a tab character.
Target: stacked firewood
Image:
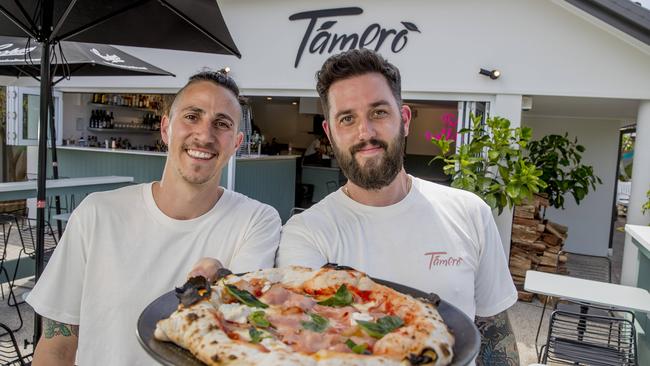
536	243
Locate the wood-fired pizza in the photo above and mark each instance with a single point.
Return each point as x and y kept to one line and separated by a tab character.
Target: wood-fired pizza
299	316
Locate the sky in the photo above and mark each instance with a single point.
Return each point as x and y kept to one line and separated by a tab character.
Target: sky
645	3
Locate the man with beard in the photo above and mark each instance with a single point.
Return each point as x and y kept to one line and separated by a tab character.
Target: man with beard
392	225
122	249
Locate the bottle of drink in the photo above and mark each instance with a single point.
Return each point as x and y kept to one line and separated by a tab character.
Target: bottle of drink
111	121
103	119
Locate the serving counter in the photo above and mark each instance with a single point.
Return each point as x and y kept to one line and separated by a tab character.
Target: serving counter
269	179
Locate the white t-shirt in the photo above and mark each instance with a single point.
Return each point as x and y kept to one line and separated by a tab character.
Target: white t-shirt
119	252
437	239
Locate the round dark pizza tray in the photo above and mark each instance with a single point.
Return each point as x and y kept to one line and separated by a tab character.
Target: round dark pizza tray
465	349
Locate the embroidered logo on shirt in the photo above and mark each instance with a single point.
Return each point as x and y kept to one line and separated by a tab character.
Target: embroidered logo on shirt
441	259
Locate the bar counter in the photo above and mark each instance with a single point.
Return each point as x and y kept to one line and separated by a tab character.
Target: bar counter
269	179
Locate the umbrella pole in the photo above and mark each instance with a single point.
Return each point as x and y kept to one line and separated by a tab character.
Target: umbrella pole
55	164
46	94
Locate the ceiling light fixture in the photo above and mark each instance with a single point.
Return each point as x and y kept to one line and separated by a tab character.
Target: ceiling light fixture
494	74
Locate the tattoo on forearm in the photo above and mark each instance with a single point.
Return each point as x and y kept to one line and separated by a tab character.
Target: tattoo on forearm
53	328
498	344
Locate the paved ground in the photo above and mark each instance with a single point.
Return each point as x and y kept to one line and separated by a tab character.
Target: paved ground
523	316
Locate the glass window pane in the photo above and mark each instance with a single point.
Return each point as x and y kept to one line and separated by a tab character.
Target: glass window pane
30	116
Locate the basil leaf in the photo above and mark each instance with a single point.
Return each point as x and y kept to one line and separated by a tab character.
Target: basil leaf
257	335
341	298
317	324
371	328
360	349
382	327
258	319
390	323
245	297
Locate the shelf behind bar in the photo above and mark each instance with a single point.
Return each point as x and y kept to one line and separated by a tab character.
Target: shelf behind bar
138	131
125	107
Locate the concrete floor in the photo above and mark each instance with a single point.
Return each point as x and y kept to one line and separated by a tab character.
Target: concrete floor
524	317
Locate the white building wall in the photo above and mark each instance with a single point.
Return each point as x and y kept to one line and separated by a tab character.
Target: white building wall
541	47
589	222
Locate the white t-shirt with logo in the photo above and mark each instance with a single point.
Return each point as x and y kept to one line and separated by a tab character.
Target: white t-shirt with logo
437	239
119	252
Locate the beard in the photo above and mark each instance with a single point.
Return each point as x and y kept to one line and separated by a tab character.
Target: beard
377	172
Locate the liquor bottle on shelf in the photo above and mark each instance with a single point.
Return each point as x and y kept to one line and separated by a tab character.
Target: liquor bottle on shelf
91	122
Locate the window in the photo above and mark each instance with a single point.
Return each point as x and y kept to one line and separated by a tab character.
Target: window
23	116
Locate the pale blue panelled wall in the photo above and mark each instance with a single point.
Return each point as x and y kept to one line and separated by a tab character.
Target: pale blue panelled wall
271	180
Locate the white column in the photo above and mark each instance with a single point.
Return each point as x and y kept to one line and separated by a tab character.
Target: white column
506	106
640	185
230	169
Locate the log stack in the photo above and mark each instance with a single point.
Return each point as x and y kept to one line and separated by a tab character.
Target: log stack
535	243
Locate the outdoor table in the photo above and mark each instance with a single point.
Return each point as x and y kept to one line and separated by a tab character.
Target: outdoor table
61	187
592	292
640	236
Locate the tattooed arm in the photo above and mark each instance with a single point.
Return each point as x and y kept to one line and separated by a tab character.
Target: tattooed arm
58	344
498	344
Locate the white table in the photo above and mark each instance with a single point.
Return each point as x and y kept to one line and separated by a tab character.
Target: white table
593	292
60	187
586	291
640	236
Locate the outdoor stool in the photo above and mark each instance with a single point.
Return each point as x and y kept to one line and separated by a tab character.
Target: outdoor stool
6	221
9	352
583	338
588	267
26	229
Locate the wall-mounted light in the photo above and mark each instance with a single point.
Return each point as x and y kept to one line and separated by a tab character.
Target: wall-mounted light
225	70
294	103
269	98
494	74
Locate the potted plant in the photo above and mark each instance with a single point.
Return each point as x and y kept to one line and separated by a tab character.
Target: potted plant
492	163
559	159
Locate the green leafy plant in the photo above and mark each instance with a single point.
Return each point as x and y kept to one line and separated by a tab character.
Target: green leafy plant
646	206
627	143
559	159
491	164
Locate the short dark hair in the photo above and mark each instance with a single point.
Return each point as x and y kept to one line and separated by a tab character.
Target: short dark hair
217	77
355	63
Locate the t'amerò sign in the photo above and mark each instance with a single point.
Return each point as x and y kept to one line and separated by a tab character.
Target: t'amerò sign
325	38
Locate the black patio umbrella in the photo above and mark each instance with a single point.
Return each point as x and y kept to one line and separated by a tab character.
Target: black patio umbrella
20	56
187	25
